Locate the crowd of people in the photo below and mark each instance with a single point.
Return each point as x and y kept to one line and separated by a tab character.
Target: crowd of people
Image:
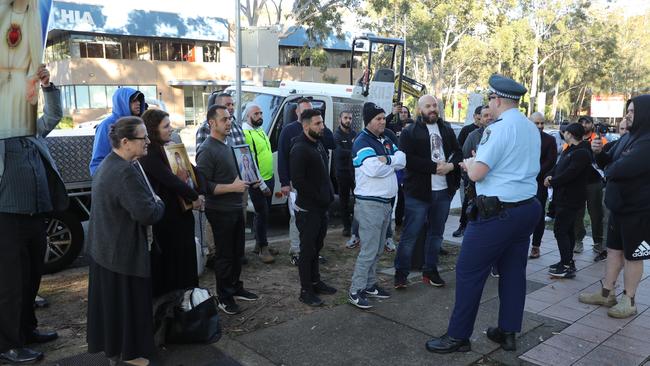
141	235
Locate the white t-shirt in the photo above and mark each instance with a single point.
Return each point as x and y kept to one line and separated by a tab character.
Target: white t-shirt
438	182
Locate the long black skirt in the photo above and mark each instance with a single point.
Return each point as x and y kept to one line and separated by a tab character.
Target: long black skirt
120	314
173	259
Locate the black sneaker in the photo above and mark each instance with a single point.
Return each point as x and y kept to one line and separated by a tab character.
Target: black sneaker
377	292
359	300
400	282
601	256
229	306
433	279
555	266
242	294
563	271
321	259
310	298
322	288
293	259
458	233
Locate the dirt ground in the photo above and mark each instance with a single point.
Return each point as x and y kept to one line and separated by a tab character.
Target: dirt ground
277	284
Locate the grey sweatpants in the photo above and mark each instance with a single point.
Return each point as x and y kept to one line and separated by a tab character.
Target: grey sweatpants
373	218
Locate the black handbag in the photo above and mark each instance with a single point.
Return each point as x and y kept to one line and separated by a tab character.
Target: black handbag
199	325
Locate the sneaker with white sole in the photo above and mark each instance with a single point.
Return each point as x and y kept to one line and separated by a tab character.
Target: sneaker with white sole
359	300
229	306
242	294
353	242
377	292
390	245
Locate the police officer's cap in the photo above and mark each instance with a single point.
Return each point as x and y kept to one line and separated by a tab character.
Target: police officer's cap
506	87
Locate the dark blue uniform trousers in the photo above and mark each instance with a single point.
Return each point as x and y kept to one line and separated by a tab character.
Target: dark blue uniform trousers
503	241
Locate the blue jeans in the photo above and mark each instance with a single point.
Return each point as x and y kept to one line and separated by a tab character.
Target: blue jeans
417	214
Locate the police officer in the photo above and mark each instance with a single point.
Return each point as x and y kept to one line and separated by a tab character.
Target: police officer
504	169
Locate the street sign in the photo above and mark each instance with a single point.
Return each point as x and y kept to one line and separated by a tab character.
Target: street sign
260	47
607	106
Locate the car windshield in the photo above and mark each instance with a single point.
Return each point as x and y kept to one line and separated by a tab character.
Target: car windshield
270	105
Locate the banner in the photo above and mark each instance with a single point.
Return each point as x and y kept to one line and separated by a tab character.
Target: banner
24	25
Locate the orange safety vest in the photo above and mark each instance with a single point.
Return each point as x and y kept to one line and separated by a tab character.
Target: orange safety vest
593	136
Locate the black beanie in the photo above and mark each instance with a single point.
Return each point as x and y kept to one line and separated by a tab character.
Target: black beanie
370	110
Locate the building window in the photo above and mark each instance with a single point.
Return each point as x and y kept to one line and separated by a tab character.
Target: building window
82	98
211	52
98	96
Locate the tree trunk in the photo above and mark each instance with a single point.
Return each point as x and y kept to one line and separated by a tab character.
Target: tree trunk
556	99
535	75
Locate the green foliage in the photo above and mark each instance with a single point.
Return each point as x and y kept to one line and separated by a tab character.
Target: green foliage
65	123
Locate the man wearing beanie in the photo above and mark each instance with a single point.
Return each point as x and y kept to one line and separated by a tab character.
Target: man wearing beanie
569	183
431	180
375	158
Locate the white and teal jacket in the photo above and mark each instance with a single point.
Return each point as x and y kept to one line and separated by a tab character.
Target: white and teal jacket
376	180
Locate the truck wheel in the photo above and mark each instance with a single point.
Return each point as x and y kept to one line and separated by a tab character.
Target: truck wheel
65	238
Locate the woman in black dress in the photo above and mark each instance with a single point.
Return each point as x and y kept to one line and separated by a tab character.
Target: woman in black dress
174	253
120	319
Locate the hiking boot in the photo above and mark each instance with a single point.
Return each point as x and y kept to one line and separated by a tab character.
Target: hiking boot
601	256
242	294
459	232
433	278
322	288
310	298
505	339
377	292
265	255
229	306
623	309
359	300
390	245
447	344
353	242
597	298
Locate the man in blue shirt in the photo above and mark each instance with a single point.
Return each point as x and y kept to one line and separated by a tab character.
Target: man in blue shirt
505	170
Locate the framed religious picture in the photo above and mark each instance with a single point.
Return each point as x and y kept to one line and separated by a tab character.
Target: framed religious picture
180	164
245	163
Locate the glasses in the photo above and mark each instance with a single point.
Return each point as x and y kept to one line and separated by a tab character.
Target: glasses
145	138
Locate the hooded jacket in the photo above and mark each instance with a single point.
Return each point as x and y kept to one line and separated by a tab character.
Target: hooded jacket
121	108
626	167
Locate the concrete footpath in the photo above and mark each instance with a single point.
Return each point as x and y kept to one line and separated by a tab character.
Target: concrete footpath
557	329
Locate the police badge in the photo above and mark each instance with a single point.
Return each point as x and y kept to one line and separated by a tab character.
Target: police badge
486	136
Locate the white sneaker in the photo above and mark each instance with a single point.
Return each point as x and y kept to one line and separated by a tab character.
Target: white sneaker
390	245
353	242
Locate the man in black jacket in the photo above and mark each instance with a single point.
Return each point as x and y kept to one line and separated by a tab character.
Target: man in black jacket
548	158
343	138
432	178
569	183
310	178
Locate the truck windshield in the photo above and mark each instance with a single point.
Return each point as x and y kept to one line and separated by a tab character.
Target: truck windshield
270	105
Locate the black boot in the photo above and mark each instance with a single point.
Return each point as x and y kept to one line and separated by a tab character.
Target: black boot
447	344
505	339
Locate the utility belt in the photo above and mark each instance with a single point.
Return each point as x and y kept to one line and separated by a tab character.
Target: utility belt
487	207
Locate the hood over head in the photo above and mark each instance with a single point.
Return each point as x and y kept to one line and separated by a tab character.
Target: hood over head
122	99
641	122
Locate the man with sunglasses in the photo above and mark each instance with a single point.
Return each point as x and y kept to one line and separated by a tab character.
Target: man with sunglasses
505	169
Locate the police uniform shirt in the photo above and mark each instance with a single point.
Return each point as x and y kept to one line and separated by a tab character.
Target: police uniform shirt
510	147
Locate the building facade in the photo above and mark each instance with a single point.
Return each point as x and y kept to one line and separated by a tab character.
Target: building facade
178	60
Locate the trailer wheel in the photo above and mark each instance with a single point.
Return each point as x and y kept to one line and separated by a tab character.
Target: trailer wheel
65	238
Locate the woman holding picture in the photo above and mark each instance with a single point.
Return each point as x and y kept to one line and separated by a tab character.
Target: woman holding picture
174	264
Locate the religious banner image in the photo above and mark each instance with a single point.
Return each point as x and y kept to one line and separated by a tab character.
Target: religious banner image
180	164
23	25
245	163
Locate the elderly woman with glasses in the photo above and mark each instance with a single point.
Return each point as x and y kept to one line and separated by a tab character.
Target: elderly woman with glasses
120	319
